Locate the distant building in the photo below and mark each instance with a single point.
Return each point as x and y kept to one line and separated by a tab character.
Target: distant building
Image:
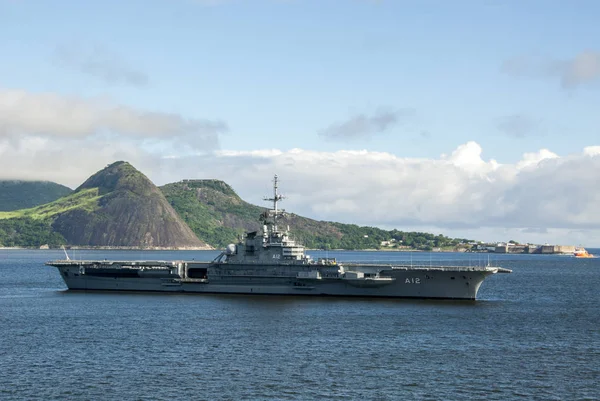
390	242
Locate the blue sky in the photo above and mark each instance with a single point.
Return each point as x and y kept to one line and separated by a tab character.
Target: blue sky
414	79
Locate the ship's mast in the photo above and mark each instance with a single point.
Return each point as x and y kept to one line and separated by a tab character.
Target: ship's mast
276	197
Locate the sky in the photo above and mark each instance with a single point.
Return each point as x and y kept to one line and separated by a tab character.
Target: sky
474	119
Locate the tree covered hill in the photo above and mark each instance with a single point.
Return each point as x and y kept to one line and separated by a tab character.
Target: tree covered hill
219	216
16	195
120	207
116	207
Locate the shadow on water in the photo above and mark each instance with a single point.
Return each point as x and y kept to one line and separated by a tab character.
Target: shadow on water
269	300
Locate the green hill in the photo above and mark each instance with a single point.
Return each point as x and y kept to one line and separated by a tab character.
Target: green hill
16	195
212	210
120	207
33	227
219	216
116	207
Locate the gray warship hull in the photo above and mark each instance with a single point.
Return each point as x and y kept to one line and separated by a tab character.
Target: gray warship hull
398	281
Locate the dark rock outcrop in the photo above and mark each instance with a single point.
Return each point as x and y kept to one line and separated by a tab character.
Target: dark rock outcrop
131	212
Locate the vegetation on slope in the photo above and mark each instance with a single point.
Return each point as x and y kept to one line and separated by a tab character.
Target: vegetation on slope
212	210
131	212
118	206
33	227
27	232
355	237
86	199
16	195
219	216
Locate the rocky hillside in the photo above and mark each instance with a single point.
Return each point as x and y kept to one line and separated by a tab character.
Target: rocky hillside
219	216
116	207
120	207
16	195
131	211
212	210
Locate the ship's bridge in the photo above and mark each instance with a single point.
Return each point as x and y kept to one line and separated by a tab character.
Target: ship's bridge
273	246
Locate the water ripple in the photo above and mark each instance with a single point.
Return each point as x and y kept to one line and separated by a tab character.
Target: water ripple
529	338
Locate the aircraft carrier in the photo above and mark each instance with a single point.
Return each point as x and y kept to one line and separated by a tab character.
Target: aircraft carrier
272	262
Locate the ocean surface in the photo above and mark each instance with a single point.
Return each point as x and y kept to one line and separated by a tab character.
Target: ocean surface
531	335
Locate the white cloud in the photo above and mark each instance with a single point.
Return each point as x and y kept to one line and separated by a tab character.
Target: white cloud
24	114
541	193
263	153
468	158
533	159
591	151
543	197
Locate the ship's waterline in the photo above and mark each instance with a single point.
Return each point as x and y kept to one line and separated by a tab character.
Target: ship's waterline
204	277
272	263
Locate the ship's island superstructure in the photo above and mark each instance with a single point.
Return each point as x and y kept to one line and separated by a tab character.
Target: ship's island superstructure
272	262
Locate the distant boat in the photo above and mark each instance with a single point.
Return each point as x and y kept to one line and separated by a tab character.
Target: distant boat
582	253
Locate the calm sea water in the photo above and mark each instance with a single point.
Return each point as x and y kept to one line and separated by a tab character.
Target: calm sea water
533	334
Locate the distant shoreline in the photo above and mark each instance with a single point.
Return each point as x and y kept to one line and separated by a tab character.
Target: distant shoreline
110	248
132	248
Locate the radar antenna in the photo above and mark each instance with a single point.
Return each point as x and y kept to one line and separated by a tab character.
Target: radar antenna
276	198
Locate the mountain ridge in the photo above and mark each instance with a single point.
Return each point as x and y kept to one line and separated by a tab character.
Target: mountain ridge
215	212
132	211
117	206
21	194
